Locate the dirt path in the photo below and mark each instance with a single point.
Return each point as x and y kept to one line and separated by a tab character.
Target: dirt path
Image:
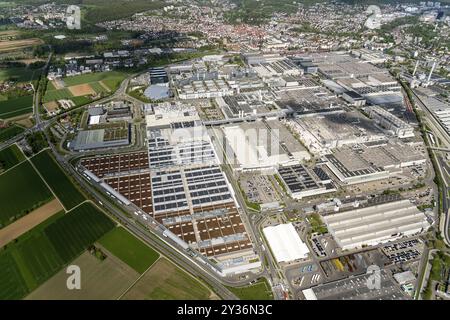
29	221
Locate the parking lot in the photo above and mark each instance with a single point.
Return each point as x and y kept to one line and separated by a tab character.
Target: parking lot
258	188
403	252
304	275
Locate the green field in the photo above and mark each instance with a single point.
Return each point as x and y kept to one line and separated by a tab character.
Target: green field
165	281
111	79
97	87
16	107
129	249
61	185
10	156
258	291
10	132
43	251
12	285
18	74
81	100
21	191
59	94
77	230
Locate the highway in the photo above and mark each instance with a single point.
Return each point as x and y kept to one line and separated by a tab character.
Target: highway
442	166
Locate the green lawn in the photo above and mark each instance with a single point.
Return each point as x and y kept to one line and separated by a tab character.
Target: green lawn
10	132
50	86
97	87
10	156
59	94
258	291
21	191
58	181
129	249
78	229
16	107
81	100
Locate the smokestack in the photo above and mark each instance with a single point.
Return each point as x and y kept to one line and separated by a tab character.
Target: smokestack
431	71
415	68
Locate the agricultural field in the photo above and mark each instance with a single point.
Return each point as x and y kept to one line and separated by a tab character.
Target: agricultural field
21	191
28	222
258	291
87	86
19	74
9	157
43	251
12	285
16	107
129	249
166	281
80	227
10	132
12	45
102	280
58	181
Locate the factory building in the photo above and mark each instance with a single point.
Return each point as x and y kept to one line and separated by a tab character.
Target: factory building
300	182
353	169
261	145
370	226
390	122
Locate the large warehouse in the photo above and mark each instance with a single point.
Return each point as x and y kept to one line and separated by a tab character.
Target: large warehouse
262	145
376	224
285	243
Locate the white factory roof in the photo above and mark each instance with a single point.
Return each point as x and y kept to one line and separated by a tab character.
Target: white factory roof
404	277
94	120
376	224
285	242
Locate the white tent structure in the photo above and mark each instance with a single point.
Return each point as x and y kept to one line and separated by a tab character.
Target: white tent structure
285	243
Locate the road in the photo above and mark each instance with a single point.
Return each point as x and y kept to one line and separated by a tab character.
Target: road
442	166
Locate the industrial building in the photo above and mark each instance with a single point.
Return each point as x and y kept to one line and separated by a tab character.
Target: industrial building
300	182
247	104
355	288
111	137
158	75
440	109
353	98
262	145
325	131
285	243
357	76
390	122
352	168
372	225
270	65
373	161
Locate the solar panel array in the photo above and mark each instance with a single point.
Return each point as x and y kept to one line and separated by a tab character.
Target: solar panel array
297	178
